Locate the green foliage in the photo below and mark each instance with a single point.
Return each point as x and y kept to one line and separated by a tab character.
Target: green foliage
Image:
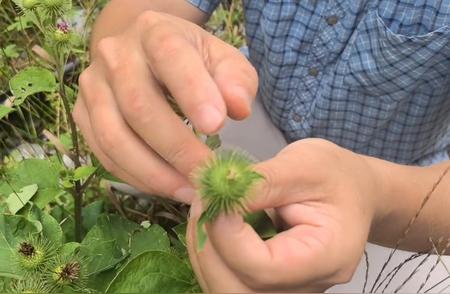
30	81
44	196
17	200
40	172
154	271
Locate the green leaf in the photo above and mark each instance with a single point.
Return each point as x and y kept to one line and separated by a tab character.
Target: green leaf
102	255
51	230
4	111
107	243
66	140
180	231
213	142
17	200
91	213
262	224
83	172
69	249
201	232
11	51
13	229
41	172
154	272
30	81
151	239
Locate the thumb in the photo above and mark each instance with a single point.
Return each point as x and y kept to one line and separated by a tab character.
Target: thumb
235	77
281	184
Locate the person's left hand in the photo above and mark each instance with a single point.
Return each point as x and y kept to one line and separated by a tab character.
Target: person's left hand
324	196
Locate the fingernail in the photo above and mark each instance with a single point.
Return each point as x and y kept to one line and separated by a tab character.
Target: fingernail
209	118
185	194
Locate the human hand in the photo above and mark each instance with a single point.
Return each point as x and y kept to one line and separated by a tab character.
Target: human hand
123	113
323	196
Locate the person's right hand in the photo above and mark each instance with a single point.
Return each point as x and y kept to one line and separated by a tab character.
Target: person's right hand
122	109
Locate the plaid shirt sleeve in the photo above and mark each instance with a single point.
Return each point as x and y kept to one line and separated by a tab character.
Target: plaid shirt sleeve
207	6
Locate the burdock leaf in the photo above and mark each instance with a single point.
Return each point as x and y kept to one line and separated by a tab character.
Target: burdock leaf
17	200
30	81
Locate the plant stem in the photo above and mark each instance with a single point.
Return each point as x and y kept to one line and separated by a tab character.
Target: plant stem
78	191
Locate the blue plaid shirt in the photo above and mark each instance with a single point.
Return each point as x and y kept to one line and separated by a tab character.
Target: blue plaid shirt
370	75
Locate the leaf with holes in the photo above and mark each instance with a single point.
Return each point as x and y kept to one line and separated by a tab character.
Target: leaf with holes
30	81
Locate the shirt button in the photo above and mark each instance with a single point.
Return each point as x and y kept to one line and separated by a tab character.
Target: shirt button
297	117
313	71
332	20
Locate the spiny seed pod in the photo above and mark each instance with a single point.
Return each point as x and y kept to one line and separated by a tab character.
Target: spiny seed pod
33	253
56	8
224	183
68	273
60	38
30	4
30	284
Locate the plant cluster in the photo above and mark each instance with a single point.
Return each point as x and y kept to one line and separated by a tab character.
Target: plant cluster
62	227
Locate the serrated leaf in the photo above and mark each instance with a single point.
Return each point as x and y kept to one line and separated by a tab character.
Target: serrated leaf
154	272
17	200
30	81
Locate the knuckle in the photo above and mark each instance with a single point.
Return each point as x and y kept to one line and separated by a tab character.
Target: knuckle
135	106
107	50
107	140
178	153
147	18
84	79
168	45
104	46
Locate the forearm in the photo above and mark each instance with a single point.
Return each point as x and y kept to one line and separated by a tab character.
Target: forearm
119	14
401	193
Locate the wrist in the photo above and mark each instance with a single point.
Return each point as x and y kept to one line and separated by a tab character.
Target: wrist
399	195
382	194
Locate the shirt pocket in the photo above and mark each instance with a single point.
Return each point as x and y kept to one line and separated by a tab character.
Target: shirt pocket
392	59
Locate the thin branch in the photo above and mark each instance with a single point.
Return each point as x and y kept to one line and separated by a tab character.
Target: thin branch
366	279
409	226
434	265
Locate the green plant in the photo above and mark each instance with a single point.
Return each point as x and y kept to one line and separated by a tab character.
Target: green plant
224	184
